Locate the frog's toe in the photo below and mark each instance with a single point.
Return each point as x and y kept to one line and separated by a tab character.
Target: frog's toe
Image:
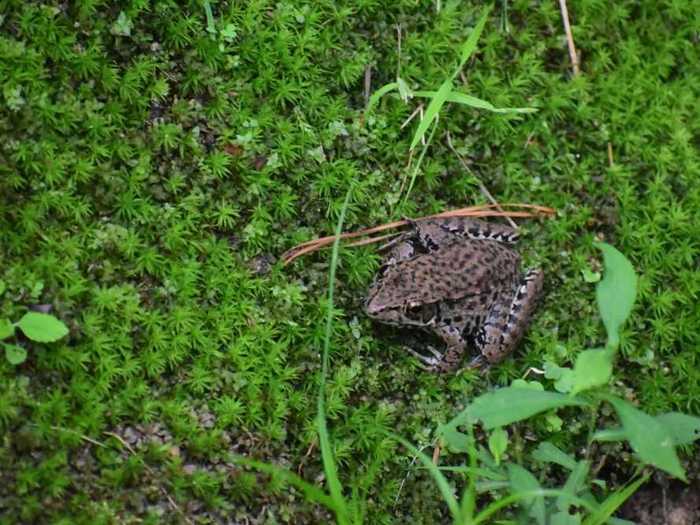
431	363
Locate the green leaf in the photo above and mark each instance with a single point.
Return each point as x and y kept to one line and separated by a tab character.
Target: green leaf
508	405
432	111
467	100
7	329
453	439
683	428
122	26
42	328
648	437
386	88
3	287
564	518
470	43
522	480
608	506
15	355
404	91
574	483
593	368
610	434
498	443
549	453
532	385
616	292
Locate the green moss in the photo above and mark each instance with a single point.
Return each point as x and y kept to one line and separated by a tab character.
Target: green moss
149	169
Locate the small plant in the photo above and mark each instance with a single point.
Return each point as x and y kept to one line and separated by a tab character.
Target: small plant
653	438
39	327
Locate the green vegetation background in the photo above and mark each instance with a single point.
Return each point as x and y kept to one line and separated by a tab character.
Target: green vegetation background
151	171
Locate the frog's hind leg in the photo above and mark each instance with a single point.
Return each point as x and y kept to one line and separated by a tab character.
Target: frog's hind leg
433	232
508	320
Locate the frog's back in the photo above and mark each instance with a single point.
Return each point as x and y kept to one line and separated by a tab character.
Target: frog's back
454	272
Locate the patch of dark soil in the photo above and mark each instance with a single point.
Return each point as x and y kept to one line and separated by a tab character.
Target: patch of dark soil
670	503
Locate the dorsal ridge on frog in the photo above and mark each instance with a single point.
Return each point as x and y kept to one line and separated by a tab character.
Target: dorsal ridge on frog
459	278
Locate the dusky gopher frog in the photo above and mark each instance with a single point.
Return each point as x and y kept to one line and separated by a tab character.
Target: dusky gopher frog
459	278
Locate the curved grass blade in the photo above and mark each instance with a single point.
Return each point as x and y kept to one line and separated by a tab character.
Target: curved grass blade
470	44
468	100
432	111
386	88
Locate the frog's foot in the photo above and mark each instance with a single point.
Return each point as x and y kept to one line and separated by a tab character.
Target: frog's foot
507	322
430	363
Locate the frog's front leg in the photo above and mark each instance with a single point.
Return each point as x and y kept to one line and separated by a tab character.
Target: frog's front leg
508	319
448	360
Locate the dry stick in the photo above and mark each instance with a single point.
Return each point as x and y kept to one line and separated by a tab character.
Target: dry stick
165	493
569	36
484	191
473	211
611	161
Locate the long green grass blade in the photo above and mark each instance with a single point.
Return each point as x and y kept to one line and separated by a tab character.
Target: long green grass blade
432	111
329	465
435	472
386	88
614	501
312	492
467	100
470	44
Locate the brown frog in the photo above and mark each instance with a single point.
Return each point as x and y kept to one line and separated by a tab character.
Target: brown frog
459	278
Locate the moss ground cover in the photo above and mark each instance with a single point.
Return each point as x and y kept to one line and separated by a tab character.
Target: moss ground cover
156	157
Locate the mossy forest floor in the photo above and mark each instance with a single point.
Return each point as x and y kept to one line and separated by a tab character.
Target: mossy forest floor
152	171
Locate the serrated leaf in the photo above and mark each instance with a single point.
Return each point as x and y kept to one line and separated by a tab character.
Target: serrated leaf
648	438
616	292
508	405
432	111
593	368
15	354
42	328
7	329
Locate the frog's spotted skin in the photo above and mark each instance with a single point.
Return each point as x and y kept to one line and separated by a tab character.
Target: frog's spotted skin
460	279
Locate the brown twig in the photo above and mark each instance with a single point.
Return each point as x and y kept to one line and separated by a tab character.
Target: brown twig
611	160
569	36
485	210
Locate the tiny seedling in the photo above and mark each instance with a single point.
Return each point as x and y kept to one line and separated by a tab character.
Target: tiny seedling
39	327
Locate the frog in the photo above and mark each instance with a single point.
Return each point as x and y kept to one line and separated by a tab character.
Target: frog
459	278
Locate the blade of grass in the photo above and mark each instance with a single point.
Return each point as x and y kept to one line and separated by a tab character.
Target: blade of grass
431	112
470	45
468	100
614	501
386	88
312	492
435	472
329	465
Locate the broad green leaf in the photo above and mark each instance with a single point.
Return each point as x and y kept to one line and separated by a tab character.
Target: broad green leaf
614	501
454	440
432	111
498	443
508	405
42	328
648	437
610	434
532	385
683	428
564	518
3	287
522	480
470	43
15	354
462	98
593	368
616	292
379	94
549	453
574	484
7	329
